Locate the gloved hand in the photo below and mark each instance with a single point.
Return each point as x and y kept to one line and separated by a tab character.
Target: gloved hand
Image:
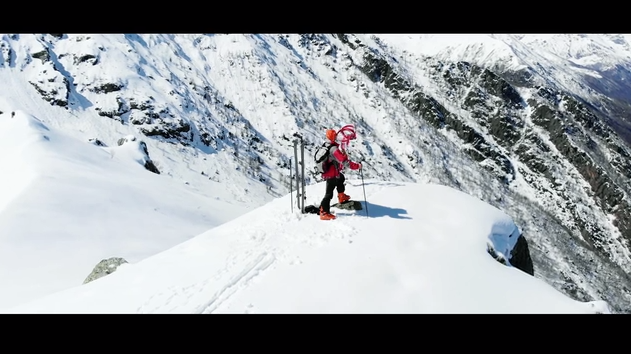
354	165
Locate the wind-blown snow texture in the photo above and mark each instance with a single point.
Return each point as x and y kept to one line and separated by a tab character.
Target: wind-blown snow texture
65	204
435	262
527	123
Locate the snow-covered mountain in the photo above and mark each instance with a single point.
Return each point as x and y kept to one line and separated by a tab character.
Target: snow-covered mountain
536	125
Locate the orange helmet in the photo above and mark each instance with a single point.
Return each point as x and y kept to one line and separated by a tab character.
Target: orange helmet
331	134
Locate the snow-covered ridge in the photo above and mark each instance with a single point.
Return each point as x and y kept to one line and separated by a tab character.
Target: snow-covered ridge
405	257
67	203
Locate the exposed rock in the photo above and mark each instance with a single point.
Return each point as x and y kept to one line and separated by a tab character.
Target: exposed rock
53	96
520	78
137	117
5	53
96	142
505	127
51	84
104	267
175	129
43	55
125	139
107	87
148	163
108	114
143	105
520	256
607	193
112	111
498	257
573	289
91	59
496	86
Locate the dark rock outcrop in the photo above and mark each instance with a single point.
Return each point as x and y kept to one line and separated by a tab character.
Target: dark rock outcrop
377	69
96	142
52	95
150	166
175	129
148	163
43	55
106	87
520	256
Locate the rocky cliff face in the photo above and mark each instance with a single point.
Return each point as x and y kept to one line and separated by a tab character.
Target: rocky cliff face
542	138
552	158
540	133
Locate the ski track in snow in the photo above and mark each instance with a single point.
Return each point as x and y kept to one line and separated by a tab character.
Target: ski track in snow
261	251
261	259
241	280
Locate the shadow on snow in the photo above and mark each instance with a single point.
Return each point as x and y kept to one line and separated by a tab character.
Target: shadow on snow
378	211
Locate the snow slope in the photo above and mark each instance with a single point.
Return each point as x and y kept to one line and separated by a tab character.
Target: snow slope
420	248
65	204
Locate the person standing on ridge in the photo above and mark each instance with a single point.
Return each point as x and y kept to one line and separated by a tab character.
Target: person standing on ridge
335	163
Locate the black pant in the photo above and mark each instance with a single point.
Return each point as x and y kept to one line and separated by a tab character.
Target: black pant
331	184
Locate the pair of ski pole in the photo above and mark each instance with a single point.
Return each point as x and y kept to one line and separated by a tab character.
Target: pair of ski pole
291	198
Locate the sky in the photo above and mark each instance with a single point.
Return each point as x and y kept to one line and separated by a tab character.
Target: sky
416	248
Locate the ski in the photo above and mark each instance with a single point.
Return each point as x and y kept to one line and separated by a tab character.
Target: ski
347	205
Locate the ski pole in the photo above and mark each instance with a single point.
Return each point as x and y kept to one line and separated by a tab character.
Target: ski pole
302	175
291	189
298	192
364	188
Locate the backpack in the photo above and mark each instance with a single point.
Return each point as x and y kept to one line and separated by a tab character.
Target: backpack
321	157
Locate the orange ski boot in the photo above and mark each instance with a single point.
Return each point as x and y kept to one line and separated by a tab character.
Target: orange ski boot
341	197
326	216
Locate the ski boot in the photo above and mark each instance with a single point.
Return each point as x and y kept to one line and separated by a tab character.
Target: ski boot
326	216
341	197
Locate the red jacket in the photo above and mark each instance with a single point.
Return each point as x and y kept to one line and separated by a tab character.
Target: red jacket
339	161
